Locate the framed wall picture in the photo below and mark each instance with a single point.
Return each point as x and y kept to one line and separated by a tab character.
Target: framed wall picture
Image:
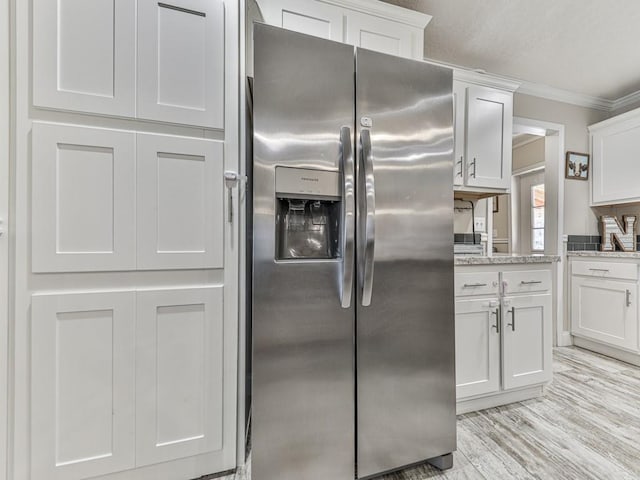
577	167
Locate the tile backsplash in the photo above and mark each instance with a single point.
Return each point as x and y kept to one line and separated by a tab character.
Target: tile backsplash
467	238
587	242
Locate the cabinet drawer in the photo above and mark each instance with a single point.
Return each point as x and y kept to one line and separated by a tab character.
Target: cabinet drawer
625	271
526	281
468	284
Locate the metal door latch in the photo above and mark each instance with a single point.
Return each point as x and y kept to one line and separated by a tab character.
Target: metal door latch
232	180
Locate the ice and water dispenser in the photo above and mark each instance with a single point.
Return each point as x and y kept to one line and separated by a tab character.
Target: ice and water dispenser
308	210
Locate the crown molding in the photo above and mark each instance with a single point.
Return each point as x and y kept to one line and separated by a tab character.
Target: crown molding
478	77
565	96
632	99
385	10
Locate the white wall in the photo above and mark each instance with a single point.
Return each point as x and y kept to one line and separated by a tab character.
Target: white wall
579	218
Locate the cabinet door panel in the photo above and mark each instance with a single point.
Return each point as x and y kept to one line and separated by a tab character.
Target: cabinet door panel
374	33
489	127
83	55
527	341
605	310
459	123
615	170
305	16
180	202
83	187
181	61
477	347
180	375
82	384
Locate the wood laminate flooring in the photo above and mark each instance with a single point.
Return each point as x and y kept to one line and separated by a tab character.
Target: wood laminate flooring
586	427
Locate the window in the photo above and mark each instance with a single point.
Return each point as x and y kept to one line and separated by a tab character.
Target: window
537	217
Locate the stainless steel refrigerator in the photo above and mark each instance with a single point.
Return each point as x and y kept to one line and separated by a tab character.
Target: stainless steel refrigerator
353	309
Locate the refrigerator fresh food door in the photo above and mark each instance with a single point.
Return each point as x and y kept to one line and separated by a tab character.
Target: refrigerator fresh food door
304	214
405	305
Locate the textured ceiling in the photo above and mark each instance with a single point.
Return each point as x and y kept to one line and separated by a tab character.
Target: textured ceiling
584	46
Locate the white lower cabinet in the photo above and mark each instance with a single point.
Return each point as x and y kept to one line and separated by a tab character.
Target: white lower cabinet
180	374
477	347
124	380
82	385
605	309
503	342
527	340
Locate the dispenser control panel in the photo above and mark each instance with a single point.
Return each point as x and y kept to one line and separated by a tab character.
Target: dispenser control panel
307	183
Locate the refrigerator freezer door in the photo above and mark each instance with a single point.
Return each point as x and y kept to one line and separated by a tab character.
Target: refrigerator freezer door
303	358
405	337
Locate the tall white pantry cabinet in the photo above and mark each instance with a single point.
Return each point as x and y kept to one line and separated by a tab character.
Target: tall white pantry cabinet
126	274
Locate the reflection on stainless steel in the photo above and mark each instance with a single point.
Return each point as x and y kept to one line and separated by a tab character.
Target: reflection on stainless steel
311	316
405	338
303	377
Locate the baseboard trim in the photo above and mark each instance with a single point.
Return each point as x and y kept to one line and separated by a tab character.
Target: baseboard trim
622	355
496	400
565	339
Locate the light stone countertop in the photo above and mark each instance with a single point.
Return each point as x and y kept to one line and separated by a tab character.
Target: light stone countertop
590	253
505	259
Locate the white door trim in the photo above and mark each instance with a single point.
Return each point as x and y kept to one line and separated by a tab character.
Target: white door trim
554	206
5	137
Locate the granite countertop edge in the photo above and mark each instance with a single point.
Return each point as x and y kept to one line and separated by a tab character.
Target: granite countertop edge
506	259
597	253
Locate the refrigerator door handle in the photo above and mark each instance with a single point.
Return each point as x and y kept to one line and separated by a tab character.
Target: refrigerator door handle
369	213
349	216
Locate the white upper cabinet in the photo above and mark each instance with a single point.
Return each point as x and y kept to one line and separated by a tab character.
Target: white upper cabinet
84	55
180	202
83	199
305	16
382	35
483	122
85	59
615	148
373	25
181	61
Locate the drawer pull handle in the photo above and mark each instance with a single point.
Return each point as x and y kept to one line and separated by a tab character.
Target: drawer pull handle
497	325
531	282
471	285
599	269
628	298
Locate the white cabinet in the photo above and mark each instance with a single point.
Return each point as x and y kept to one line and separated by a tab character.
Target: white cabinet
83	193
161	61
181	61
483	129
605	310
375	26
381	35
305	16
84	55
182	391
131	379
477	347
503	334
615	146
527	340
180	202
82	386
